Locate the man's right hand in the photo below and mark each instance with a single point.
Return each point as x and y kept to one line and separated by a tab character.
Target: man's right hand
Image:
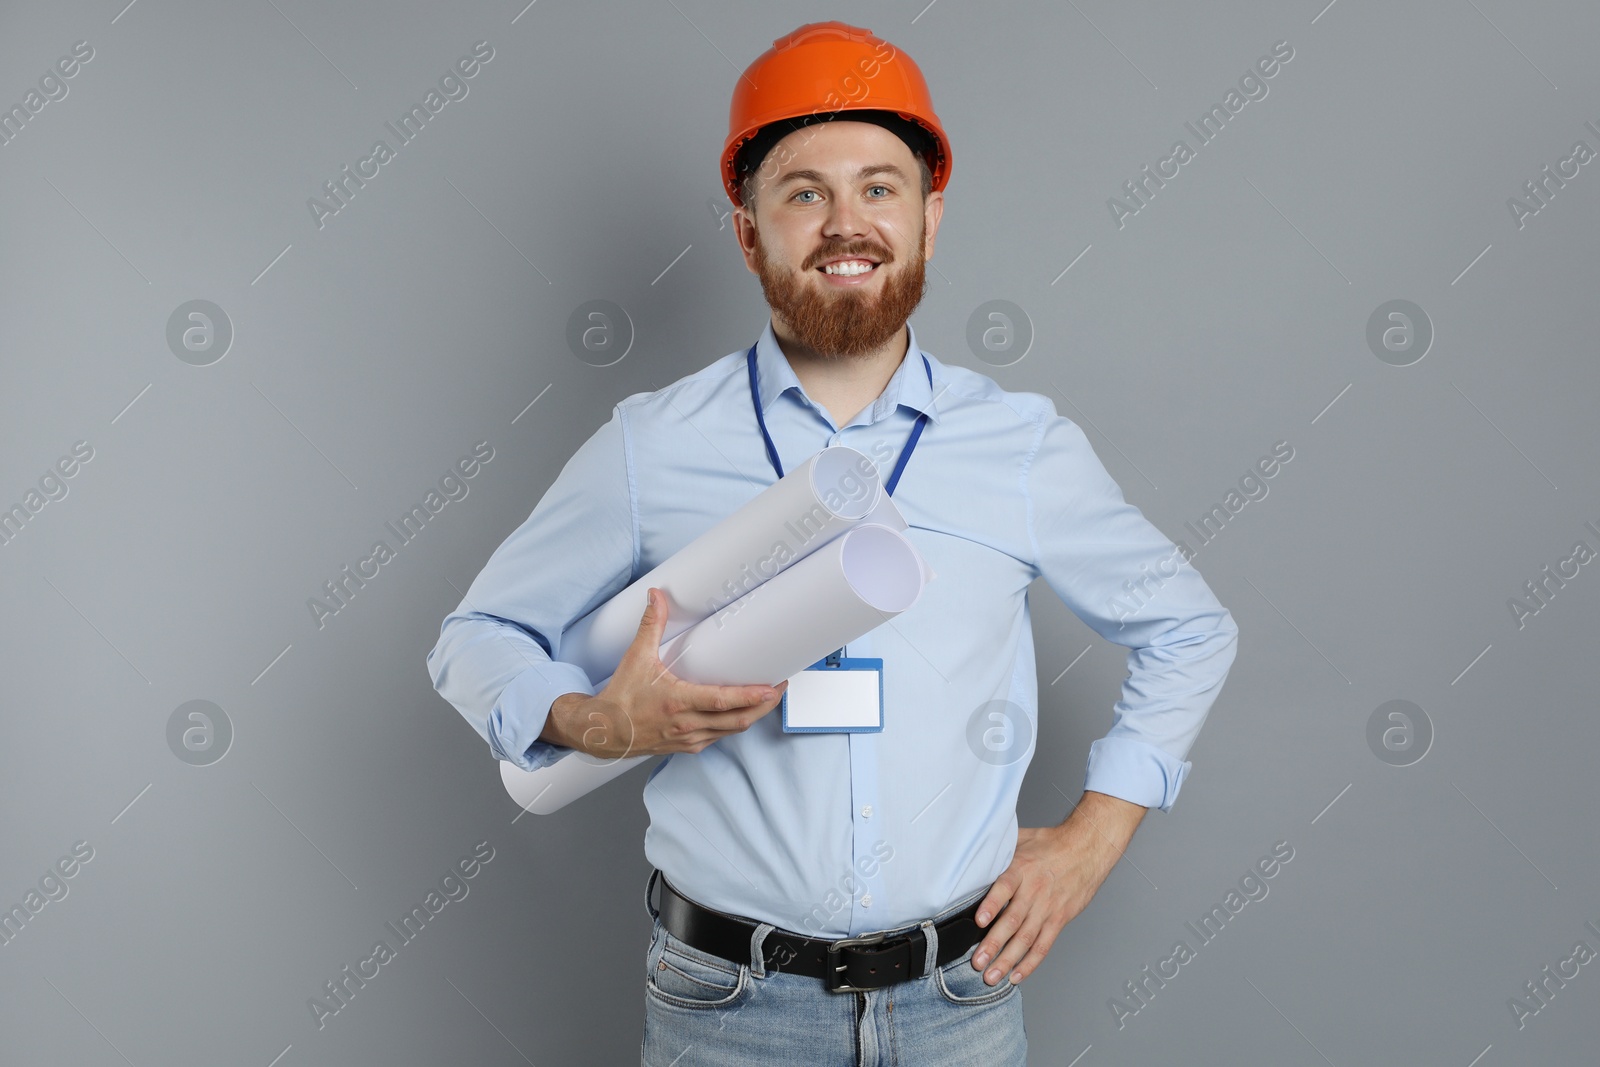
646	710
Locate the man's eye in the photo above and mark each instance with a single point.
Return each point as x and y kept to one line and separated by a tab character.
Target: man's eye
803	192
885	189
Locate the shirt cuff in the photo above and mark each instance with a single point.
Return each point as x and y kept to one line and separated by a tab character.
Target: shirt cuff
1135	771
518	717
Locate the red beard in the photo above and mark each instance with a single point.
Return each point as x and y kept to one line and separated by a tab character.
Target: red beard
845	322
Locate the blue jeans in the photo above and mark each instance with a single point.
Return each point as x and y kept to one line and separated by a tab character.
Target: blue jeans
705	1011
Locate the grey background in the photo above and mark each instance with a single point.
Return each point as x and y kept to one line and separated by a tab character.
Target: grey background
1229	314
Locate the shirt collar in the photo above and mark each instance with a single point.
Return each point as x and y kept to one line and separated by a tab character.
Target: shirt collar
908	385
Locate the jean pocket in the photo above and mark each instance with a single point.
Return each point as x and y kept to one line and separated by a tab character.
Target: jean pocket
682	975
959	983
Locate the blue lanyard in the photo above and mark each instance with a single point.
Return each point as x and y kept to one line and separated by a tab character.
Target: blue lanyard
772	451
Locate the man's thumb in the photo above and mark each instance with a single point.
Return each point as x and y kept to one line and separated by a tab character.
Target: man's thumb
654	620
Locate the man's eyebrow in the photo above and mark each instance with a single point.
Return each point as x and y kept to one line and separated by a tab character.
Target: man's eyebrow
864	172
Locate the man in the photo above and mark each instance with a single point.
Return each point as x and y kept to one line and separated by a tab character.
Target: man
775	848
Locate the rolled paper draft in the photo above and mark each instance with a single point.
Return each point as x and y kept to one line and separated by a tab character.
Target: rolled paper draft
844	589
835	594
814	503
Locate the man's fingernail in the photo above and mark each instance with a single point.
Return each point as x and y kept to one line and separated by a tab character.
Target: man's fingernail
981	958
993	976
983	917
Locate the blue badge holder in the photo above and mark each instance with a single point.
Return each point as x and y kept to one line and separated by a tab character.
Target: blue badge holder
834	662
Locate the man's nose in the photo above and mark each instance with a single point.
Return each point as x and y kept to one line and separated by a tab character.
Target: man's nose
846	221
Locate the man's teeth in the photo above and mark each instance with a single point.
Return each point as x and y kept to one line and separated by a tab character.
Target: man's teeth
848	267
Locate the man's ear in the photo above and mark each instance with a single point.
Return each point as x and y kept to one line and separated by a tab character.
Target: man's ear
932	212
744	231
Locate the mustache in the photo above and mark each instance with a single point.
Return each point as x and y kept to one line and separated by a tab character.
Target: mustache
821	256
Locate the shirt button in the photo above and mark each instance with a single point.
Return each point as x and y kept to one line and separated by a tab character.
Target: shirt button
866	811
866	900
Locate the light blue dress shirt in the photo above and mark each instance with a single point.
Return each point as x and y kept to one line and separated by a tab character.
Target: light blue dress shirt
836	834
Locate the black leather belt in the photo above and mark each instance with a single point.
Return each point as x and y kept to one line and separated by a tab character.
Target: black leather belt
870	961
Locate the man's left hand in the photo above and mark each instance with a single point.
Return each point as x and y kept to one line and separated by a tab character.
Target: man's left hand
1053	875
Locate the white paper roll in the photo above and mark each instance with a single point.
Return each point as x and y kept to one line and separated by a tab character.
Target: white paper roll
851	585
846	588
802	511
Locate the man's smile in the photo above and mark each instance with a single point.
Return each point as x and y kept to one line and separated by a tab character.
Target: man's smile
849	271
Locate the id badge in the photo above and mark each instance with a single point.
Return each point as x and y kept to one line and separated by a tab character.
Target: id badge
836	694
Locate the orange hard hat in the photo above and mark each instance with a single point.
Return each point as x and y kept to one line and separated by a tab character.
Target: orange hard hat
815	73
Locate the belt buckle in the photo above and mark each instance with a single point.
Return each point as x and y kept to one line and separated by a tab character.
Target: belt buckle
832	980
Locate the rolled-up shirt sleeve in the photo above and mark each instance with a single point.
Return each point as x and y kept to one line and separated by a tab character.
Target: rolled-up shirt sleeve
1129	583
497	659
